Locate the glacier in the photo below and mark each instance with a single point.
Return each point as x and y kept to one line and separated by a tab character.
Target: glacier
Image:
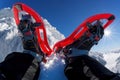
54	69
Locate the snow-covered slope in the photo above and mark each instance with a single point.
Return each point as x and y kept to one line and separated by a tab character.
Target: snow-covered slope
113	61
110	59
9	39
54	68
53	34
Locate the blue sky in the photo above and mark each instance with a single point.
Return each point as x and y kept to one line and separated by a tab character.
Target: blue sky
66	15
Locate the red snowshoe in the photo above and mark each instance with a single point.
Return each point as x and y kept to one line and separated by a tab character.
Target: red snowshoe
86	34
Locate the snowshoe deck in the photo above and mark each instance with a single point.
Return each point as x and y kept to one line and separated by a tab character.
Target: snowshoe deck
76	38
40	33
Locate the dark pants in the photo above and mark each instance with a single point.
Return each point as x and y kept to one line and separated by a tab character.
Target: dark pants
15	66
75	69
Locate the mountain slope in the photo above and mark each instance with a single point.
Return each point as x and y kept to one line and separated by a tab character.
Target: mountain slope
54	68
9	39
113	61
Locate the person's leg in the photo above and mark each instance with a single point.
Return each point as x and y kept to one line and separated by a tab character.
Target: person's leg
86	68
74	70
97	68
16	64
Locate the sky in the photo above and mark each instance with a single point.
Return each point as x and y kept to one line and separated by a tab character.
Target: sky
66	15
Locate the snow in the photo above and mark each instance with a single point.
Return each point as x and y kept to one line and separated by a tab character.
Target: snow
54	69
111	60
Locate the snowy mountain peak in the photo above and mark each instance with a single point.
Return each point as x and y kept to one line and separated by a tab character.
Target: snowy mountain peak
53	34
6	12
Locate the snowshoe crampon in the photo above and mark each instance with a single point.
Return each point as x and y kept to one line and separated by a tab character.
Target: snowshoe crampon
87	33
36	27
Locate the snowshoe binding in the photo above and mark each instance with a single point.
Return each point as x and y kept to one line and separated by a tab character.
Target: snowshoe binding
91	37
26	28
